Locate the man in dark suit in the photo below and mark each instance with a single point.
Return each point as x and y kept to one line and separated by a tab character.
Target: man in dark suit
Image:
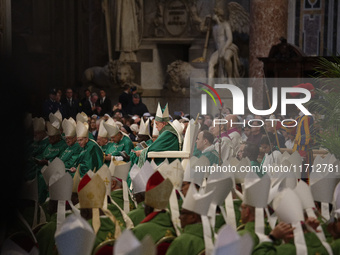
70	105
50	105
104	103
91	106
136	107
125	98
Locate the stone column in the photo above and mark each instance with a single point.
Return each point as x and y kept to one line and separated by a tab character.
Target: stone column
268	22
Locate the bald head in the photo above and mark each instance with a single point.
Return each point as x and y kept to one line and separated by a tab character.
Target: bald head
231	119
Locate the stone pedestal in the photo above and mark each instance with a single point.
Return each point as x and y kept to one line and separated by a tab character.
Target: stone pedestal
152	75
268	22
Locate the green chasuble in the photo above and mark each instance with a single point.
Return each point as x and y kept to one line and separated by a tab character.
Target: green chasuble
45	237
138	214
336	246
157	227
197	153
116	212
133	157
105	147
106	230
220	220
37	147
50	153
249	227
114	149
53	151
211	154
91	157
314	246
117	196
166	141
257	167
191	241
34	149
70	156
125	144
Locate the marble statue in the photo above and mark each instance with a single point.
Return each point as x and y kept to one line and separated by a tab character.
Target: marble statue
127	28
115	74
226	55
179	73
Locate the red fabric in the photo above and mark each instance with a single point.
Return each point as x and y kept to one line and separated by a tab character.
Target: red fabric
105	250
154	181
308	86
85	180
150	217
162	248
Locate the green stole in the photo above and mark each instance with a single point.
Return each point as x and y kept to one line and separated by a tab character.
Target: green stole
117	196
212	156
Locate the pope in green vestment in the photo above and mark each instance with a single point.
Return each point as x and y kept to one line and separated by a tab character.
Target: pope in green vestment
166	141
191	241
133	156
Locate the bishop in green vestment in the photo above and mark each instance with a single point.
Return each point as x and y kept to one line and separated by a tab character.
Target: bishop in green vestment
119	141
191	241
54	149
91	156
157	222
71	153
313	243
137	215
123	143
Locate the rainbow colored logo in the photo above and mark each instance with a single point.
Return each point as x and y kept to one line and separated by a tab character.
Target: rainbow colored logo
209	93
